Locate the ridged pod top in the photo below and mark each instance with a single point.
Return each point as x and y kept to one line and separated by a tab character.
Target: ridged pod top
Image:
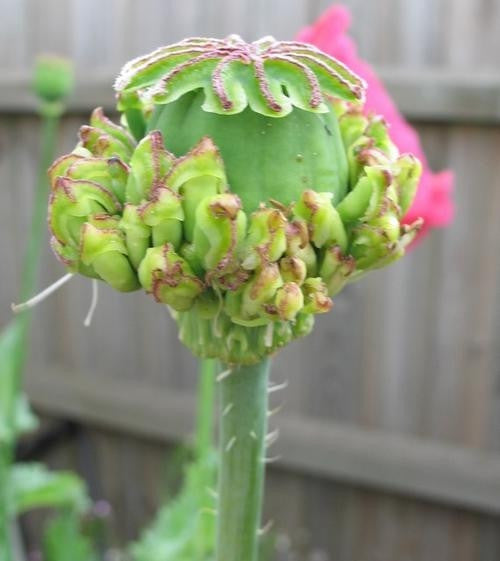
268	75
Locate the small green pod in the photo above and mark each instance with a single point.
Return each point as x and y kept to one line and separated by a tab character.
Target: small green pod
219	232
316	300
266	239
335	269
137	234
289	301
324	222
102	247
169	278
149	166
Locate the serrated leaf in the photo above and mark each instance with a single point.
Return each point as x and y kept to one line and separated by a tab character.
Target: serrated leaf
184	529
33	485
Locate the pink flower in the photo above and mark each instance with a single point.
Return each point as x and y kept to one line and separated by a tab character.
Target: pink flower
433	200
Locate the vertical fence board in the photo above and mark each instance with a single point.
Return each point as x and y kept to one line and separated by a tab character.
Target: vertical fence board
413	350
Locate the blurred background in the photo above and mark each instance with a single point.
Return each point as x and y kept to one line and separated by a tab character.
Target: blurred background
390	444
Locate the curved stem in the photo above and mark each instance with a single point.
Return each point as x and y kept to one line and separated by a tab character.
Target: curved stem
38	225
205	412
243	425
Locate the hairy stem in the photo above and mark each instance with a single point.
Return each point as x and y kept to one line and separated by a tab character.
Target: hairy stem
243	425
205	411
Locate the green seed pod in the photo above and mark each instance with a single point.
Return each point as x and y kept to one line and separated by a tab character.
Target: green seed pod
243	189
52	82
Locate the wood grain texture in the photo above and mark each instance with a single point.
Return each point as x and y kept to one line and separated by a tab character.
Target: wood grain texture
408	354
407	465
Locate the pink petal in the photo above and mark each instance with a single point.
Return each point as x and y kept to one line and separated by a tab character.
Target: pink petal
433	201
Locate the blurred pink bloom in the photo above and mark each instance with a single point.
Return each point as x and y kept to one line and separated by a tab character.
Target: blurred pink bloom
433	200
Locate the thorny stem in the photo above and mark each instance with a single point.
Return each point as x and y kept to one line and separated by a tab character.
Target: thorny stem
243	425
29	273
205	411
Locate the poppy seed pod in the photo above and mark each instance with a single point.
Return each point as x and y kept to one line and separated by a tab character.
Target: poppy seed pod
244	188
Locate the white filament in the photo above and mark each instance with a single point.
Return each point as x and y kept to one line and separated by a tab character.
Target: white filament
93	304
41	296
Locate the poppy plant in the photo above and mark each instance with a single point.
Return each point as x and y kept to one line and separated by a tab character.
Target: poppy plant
243	189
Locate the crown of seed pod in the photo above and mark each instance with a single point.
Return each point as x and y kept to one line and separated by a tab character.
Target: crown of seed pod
244	189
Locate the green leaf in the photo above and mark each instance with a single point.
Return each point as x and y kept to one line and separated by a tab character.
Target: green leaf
184	529
33	485
64	541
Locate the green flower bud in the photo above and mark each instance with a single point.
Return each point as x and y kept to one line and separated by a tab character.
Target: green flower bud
244	188
53	81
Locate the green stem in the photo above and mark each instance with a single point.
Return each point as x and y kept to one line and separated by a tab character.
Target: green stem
243	425
37	231
205	410
29	272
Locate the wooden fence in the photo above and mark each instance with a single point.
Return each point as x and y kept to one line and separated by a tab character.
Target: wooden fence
390	445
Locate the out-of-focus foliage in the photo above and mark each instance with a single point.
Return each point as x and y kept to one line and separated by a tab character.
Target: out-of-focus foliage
184	529
64	540
32	485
